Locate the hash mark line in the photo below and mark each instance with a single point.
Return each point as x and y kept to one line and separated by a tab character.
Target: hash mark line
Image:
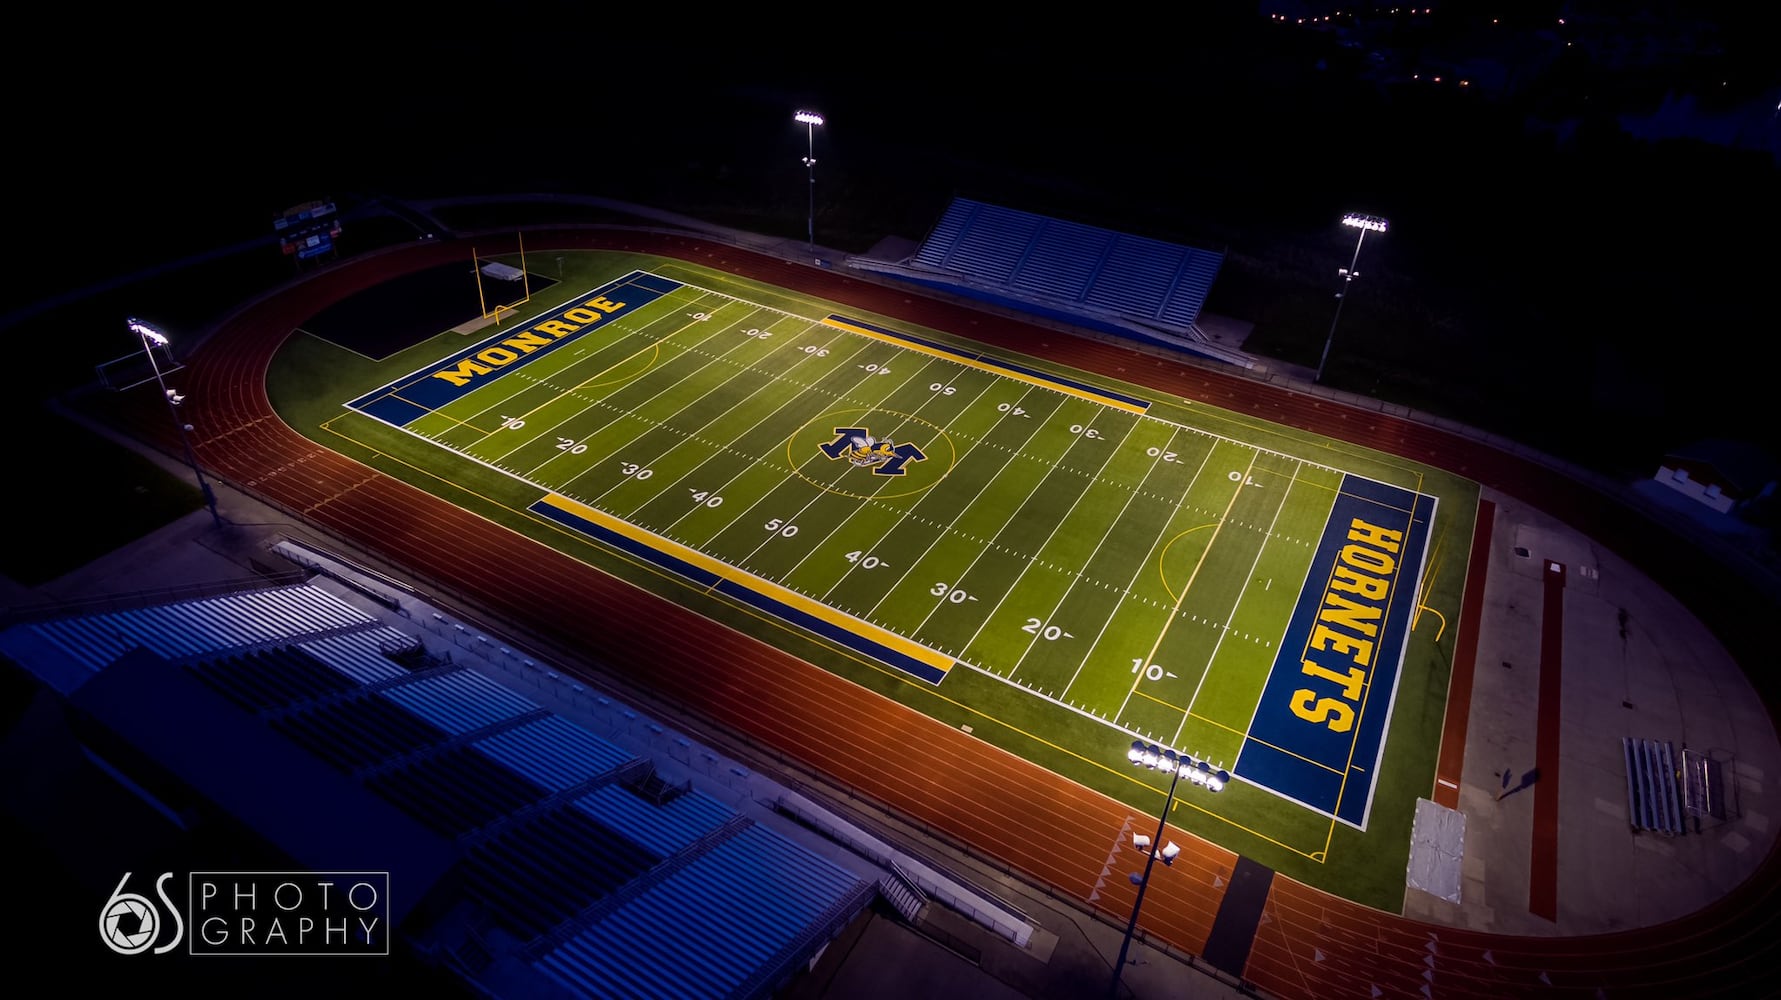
1006	524
1188	586
544	379
1161	531
1224	632
538	470
945	529
1105	534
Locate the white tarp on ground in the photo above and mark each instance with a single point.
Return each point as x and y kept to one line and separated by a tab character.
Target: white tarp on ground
504	272
1437	847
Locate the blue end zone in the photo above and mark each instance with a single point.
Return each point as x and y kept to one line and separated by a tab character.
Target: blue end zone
1319	729
779	609
454	377
1142	404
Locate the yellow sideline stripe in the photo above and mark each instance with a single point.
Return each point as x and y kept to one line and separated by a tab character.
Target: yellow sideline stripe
723	570
970	362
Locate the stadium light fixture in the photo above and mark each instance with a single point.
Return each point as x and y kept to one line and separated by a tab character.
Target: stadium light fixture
1197	772
810	120
1366	224
152	338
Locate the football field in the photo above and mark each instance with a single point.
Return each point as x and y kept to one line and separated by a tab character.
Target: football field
1064	563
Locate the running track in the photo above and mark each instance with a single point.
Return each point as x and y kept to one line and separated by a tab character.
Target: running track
1053	832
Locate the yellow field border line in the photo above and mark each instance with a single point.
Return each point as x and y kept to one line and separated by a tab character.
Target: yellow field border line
1003	370
722	570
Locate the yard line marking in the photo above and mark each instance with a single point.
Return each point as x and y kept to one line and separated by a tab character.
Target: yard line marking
819	494
1162	530
741	343
879	487
1212	657
1105	534
569	363
1188	586
1079	438
946	529
791	400
754	462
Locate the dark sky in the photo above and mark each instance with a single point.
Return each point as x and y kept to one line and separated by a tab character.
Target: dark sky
136	123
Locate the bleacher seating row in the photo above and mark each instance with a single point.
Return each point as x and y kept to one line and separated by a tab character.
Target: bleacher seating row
1653	793
1036	257
552	841
200	627
459	701
758	893
539	874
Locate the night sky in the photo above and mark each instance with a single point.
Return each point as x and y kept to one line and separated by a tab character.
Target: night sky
1218	128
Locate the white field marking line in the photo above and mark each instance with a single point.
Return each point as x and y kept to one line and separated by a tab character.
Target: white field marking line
676	320
685	436
817	492
775	379
1034	692
1280	643
562	393
1037	487
913	512
984	545
884	482
742	344
1162	530
1189	585
945	530
1403	651
1077	578
715	448
404	381
1146	416
1225	629
653	424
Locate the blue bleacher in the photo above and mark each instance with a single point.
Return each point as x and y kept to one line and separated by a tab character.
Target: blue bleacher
756	891
1039	259
554	752
458	701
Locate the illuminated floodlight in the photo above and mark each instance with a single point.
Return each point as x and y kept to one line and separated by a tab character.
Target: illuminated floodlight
148	333
1366	224
810	120
151	339
1179	765
1371	223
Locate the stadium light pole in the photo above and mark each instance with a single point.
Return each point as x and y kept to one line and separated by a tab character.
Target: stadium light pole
1366	224
1180	766
810	121
151	339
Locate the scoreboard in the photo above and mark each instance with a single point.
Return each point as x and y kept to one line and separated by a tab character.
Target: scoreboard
307	230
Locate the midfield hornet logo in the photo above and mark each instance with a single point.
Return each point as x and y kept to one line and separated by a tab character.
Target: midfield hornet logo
859	448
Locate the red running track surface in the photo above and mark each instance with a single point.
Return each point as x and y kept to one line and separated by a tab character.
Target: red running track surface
1054	832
